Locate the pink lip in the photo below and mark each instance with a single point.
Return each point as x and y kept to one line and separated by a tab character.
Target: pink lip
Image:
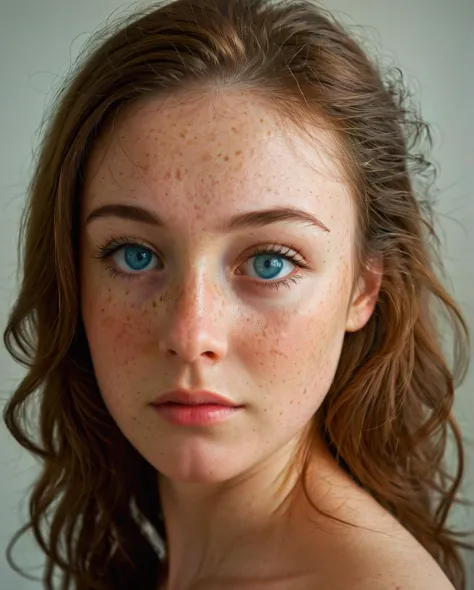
194	408
191	398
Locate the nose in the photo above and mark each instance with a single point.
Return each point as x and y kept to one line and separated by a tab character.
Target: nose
195	327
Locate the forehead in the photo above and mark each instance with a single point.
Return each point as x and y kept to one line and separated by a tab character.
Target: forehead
206	155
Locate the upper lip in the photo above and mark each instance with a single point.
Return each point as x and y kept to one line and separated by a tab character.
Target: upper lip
188	397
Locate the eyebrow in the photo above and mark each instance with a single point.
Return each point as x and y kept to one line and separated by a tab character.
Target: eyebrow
257	218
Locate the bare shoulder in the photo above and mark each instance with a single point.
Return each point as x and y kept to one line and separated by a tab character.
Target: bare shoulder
385	560
377	562
373	552
376	553
403	572
404	575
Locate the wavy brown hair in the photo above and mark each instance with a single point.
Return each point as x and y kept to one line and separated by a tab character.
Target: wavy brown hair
388	413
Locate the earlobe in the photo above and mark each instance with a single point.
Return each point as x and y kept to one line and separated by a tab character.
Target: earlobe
365	295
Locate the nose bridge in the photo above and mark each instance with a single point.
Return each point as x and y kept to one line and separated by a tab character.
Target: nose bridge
194	323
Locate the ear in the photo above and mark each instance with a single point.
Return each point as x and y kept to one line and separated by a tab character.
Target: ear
365	294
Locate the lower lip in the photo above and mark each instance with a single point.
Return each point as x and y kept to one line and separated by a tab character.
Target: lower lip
197	414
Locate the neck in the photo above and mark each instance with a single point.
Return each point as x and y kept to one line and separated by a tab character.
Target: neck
212	528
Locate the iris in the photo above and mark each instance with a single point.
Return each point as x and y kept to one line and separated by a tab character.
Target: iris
137	257
268	265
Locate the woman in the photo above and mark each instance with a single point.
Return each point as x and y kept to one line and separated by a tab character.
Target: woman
228	310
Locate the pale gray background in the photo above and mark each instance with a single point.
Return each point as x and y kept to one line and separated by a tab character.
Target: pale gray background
431	39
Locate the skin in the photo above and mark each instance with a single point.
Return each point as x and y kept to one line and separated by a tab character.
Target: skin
200	317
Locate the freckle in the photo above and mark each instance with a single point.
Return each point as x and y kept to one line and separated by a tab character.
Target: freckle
102	310
178	174
238	152
154	303
219	155
183	134
226	158
234	129
261	120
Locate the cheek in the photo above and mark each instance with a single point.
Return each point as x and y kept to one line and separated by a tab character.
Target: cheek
296	351
118	333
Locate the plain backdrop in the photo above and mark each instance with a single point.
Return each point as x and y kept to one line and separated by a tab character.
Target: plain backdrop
431	40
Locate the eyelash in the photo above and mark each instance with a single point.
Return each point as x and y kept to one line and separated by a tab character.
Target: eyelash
106	251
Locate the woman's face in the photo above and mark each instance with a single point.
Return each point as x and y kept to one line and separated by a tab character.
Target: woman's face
180	292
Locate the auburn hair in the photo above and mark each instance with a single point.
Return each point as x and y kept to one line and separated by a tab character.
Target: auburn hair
388	414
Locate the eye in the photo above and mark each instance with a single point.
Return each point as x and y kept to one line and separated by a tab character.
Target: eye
268	266
273	264
134	258
127	258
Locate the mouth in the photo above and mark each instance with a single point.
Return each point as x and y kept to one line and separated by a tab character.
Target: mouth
194	398
195	408
200	415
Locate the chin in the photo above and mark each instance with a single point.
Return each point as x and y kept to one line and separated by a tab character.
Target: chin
196	474
196	467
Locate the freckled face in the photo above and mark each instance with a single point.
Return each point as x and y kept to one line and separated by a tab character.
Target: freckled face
188	304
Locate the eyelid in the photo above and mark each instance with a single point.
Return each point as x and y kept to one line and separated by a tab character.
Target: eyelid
111	246
285	251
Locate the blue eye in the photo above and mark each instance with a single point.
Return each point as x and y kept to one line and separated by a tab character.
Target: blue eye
268	265
134	258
